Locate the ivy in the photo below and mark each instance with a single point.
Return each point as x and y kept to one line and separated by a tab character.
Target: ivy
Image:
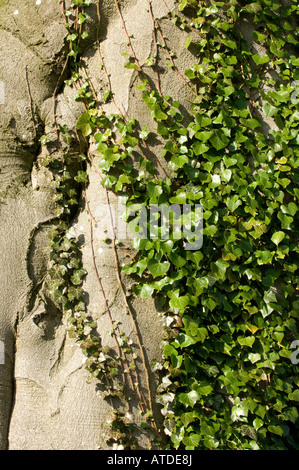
231	307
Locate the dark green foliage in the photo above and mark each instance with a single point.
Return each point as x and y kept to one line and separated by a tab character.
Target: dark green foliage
232	306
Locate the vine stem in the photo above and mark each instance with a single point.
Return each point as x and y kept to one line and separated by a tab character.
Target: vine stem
150	9
128	37
104	297
140	345
171	59
141	400
125	116
111	93
63	8
166	6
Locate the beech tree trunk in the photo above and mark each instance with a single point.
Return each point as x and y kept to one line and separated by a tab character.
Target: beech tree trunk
45	400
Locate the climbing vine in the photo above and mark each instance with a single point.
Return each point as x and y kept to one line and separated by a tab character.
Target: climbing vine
231	307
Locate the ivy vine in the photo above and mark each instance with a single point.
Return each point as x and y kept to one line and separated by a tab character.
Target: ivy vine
232	306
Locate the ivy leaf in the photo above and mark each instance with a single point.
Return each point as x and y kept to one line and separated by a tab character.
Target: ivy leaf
77	276
84	124
219	140
202	120
257	423
246	341
192	440
251	123
169	350
254	357
178	161
154	190
200	148
277	237
189	399
185	340
233	203
167	246
131	65
177	260
179	302
204	389
260	59
188	42
276	430
219	268
294	396
81	177
144	133
285	220
269	110
180	198
157	268
158	114
239	413
143	290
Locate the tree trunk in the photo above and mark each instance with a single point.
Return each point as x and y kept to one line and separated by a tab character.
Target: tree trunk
46	402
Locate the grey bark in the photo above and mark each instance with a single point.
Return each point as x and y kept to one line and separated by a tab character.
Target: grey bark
45	400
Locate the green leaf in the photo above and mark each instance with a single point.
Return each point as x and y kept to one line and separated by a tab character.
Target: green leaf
251	123
257	423
219	268
72	37
277	237
189	399
131	65
195	256
239	413
185	340
285	220
233	203
144	133
219	140
264	257
154	190
143	290
246	341
192	440
169	351
204	389
202	120
167	246
157	268
81	177
254	357
276	430
200	148
260	60
179	302
84	124
294	395
177	260
178	161
258	36
180	198
158	114
270	110
188	42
